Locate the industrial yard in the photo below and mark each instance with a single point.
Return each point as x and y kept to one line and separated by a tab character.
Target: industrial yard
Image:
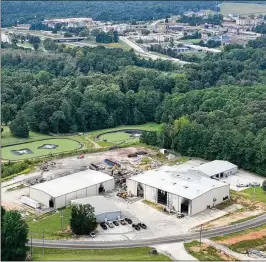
160	221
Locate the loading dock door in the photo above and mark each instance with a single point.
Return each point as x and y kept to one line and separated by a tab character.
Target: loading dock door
184	207
162	197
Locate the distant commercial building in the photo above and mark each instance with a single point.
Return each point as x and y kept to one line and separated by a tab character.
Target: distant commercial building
216	169
59	192
184	192
104	210
69	22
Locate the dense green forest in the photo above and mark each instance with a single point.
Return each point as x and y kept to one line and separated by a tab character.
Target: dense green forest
80	89
36	11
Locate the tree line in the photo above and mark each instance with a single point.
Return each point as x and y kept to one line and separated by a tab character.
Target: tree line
29	12
227	123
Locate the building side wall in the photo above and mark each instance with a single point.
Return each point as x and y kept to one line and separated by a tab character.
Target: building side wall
150	193
108	215
131	187
60	201
200	203
40	196
81	193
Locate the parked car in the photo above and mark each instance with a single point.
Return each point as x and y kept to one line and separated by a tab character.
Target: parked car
133	225
180	215
142	225
104	226
92	234
110	224
129	221
137	227
122	222
116	223
254	184
242	185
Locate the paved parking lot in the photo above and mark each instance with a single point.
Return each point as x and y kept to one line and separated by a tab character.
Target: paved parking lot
159	224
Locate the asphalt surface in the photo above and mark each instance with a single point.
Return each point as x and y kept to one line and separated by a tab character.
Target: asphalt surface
76	244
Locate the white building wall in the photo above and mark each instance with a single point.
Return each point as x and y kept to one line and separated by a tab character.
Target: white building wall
69	197
40	196
92	191
200	203
81	193
60	201
150	193
131	187
109	185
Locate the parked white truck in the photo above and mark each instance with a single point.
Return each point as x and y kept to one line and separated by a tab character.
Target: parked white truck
30	202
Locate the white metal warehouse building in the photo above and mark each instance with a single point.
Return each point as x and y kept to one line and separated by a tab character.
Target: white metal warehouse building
183	192
216	169
104	210
59	192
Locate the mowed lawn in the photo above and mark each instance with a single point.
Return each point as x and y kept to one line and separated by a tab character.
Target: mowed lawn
63	146
124	254
118	137
51	225
8	139
260	194
243	8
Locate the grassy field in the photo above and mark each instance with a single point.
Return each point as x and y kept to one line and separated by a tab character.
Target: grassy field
148	126
51	224
249	194
8	139
202	253
120	44
243	8
119	137
123	254
63	146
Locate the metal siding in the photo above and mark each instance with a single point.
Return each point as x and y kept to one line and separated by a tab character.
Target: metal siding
60	201
81	193
200	203
131	187
40	196
92	191
150	193
70	196
110	216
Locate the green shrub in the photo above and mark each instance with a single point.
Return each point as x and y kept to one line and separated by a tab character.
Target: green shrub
9	169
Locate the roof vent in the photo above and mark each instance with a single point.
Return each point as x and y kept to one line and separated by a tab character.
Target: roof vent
174	183
185	186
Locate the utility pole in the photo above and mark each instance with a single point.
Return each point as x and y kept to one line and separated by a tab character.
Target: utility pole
61	217
31	244
43	242
200	234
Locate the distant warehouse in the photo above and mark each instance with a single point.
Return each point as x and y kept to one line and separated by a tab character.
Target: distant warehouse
216	169
103	208
59	192
184	192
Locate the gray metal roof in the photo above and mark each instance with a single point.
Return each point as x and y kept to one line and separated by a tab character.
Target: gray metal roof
101	204
182	183
214	167
71	183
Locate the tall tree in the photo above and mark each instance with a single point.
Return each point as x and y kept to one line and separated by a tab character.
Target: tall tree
19	126
14	232
83	220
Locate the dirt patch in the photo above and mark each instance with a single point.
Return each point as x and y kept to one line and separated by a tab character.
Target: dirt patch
248	236
199	248
11	206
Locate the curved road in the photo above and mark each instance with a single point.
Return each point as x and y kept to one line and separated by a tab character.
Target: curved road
76	244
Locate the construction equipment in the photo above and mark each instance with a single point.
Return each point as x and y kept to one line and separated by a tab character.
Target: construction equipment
81	156
122	194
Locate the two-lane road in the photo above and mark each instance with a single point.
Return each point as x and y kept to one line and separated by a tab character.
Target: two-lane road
76	244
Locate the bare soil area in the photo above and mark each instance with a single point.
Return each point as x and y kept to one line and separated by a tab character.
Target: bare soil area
245	237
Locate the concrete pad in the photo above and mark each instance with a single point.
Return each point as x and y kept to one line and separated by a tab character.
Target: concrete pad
242	176
176	251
